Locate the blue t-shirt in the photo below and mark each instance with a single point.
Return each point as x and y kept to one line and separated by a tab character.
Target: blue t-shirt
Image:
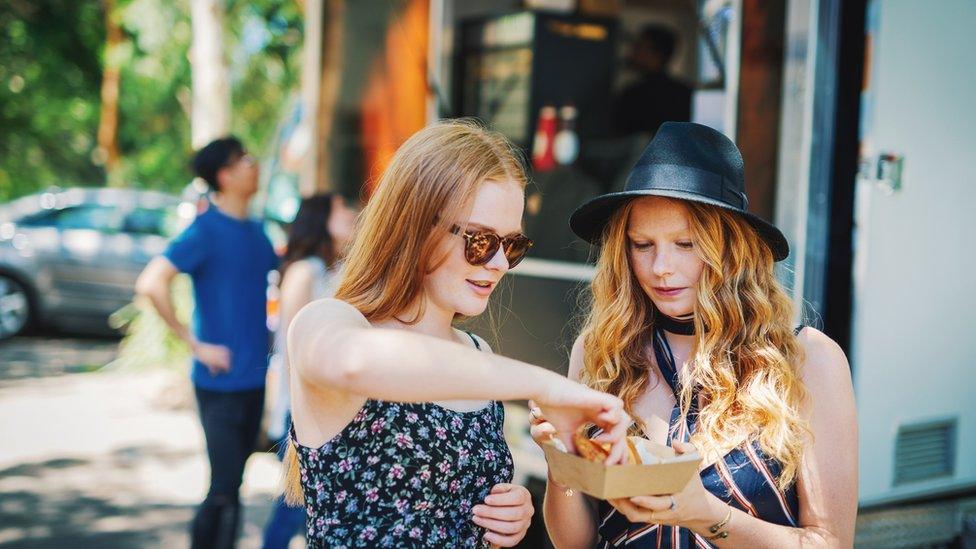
228	260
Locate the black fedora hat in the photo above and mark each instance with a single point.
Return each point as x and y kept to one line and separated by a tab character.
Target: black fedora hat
687	161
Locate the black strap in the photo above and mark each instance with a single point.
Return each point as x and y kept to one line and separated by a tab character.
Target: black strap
680	326
665	361
474	339
669	370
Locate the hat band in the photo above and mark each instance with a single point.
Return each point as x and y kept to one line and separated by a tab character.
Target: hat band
685	179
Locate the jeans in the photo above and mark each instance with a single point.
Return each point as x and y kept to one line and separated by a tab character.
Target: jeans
230	426
285	521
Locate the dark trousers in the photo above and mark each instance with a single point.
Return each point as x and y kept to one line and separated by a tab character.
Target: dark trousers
230	425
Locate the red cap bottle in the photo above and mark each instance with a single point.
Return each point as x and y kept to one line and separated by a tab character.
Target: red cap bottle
545	134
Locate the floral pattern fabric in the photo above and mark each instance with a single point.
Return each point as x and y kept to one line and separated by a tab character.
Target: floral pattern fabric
404	475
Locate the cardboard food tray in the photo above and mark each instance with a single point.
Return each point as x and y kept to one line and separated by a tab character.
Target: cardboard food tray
623	481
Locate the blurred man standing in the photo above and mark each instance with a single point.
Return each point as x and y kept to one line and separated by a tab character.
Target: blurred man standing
655	97
228	257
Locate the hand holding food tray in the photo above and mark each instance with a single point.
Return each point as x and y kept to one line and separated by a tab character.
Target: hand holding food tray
651	469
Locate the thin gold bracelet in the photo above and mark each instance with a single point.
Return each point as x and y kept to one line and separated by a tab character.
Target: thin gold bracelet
716	529
567	491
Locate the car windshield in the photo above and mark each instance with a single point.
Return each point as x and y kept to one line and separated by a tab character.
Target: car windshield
86	216
108	218
151	221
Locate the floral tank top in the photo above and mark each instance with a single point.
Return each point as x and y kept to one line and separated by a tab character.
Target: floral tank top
404	475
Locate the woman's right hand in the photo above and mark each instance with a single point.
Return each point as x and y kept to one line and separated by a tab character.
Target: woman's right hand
568	405
541	430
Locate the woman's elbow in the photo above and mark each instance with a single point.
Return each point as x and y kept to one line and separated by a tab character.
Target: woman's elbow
822	537
568	536
562	541
349	373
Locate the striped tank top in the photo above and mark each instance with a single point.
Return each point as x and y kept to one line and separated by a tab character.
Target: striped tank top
745	478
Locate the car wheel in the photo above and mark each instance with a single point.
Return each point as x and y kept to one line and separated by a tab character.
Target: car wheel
15	309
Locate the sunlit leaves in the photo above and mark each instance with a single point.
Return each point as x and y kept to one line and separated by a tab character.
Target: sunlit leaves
51	57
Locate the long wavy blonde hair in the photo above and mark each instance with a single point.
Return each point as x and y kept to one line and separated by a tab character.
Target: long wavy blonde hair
745	357
430	182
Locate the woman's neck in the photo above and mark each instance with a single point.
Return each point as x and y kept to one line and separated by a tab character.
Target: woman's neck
680	333
680	344
434	322
683	325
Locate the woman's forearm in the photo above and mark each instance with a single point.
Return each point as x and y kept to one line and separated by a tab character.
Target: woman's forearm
570	519
746	530
395	365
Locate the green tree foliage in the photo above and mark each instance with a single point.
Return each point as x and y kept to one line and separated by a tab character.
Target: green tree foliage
265	66
51	55
154	94
50	73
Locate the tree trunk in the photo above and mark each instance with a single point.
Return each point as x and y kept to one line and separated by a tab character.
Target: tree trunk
211	90
334	27
107	151
307	132
321	77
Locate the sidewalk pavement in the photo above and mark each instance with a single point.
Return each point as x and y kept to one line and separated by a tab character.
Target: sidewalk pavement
110	459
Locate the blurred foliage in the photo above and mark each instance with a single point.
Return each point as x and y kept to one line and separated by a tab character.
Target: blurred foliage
51	56
148	341
50	74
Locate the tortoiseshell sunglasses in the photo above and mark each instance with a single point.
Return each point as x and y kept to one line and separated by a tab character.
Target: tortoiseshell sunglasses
481	246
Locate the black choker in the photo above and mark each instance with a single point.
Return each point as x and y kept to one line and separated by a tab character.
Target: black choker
680	326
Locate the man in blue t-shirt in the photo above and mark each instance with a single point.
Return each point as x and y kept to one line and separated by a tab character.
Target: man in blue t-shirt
228	257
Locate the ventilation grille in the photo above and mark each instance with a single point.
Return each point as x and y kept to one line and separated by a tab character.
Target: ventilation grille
925	451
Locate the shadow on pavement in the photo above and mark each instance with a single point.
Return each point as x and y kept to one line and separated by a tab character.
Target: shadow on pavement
103	502
45	355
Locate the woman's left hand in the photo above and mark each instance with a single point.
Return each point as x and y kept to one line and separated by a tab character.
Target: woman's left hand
693	507
505	514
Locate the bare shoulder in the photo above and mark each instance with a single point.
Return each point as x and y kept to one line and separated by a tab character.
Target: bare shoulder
322	324
300	270
825	368
297	282
576	359
482	344
327	315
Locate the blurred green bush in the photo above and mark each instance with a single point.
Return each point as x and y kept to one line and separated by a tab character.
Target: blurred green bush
148	342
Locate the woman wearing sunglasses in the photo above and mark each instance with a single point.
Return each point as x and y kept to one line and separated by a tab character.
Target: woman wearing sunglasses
690	327
397	436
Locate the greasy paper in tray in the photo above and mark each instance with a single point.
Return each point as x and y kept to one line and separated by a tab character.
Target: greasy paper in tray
668	476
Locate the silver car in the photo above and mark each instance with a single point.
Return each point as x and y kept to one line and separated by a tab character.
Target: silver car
70	258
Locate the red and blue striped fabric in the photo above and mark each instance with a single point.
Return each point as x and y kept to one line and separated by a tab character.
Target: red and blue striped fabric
745	478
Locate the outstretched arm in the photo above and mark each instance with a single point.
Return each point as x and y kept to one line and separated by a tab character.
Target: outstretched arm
570	516
331	345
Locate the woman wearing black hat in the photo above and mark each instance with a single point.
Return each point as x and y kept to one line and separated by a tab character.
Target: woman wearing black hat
691	329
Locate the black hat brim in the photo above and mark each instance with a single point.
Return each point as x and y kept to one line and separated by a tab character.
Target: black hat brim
589	220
